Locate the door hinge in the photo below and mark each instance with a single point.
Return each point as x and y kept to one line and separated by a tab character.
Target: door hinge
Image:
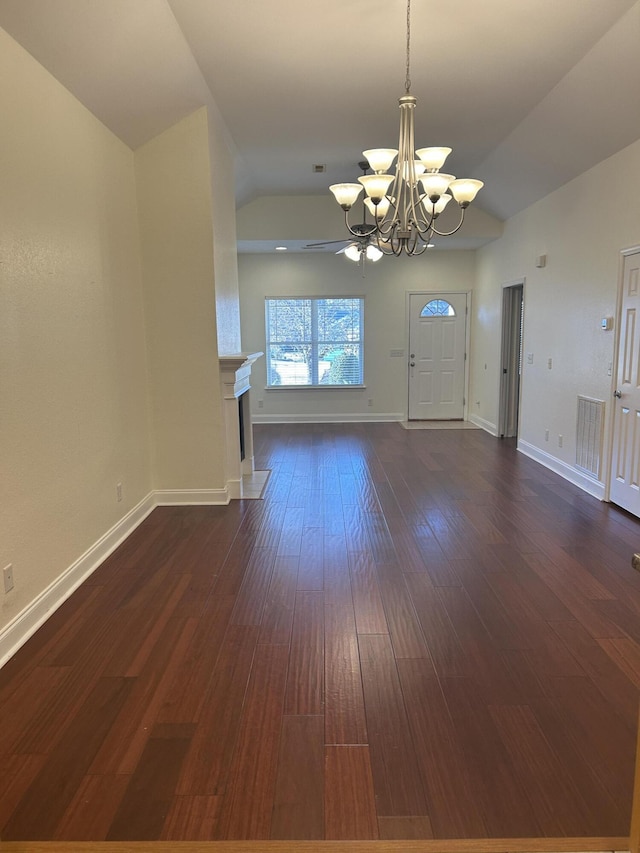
465	356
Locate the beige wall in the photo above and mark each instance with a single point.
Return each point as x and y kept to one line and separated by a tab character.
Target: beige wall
225	255
174	197
582	228
109	270
73	403
384	288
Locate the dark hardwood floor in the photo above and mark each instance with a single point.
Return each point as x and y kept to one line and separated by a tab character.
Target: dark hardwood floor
415	634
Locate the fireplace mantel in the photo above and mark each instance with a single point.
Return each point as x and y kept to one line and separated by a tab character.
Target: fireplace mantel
235	378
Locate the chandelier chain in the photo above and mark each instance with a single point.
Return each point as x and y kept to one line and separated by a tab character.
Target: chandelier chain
407	82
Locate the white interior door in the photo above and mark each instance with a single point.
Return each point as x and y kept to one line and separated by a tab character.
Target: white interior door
437	336
625	467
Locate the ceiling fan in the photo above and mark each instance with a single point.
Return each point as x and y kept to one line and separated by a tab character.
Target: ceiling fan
363	246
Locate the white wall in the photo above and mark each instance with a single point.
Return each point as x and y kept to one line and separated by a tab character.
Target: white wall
73	403
384	288
582	228
174	196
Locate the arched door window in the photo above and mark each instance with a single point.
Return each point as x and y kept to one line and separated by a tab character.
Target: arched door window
438	308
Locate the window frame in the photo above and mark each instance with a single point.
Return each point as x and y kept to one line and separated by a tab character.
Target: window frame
314	344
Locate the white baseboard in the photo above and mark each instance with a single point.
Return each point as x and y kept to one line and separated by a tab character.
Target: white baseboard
26	623
583	481
191	497
338	418
483	424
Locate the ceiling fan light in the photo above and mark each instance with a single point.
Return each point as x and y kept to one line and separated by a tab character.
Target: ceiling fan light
464	190
352	252
436	184
346	194
380	159
373	253
376	186
433	158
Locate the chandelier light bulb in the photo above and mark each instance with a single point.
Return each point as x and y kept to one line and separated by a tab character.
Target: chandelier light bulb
346	194
376	186
437	208
380	159
433	158
464	190
378	210
436	184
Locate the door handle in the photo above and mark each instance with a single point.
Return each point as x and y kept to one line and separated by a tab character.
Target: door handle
412	364
617	394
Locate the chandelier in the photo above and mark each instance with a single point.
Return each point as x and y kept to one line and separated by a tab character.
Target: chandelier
406	205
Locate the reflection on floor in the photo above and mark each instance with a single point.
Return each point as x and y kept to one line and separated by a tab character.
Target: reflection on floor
253	485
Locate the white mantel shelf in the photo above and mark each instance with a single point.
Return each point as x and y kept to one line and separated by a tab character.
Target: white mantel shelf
235	377
235	372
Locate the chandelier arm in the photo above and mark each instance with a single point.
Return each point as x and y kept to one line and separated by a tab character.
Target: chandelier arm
355	233
453	230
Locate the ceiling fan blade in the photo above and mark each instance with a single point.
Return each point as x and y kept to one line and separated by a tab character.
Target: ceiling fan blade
325	243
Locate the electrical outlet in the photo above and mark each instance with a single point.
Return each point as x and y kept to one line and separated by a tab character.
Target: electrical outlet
260	404
370	402
7	575
559	441
119	491
546	435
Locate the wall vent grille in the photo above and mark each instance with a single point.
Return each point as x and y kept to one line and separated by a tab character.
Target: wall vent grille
589	435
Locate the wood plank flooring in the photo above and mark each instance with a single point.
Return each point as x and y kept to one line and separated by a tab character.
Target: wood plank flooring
414	635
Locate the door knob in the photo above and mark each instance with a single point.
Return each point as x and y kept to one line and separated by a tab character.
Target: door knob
412	364
617	394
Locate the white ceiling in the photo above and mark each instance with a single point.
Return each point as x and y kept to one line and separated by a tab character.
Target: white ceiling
528	93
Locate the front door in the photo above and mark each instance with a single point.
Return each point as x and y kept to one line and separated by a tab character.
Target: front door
625	467
437	335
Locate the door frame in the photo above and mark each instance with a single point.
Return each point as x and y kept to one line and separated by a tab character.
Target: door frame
509	352
437	294
610	410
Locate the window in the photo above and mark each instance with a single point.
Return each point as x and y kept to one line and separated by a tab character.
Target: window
438	308
314	342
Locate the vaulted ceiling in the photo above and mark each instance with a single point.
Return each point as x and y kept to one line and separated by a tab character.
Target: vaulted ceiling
527	93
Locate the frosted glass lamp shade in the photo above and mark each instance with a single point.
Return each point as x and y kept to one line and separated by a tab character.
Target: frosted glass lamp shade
376	186
378	210
346	194
433	158
436	184
373	253
439	206
418	171
380	159
464	190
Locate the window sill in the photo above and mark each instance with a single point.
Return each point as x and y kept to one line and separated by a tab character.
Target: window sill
278	388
